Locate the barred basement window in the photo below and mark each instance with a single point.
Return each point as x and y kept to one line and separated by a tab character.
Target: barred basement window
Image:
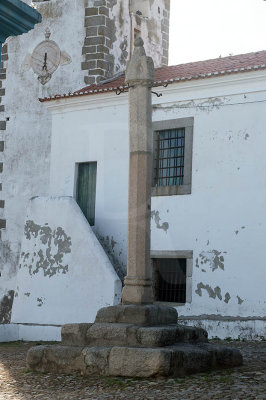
172	166
170	280
172	275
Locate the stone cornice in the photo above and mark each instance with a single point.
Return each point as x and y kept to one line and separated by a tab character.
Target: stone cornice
16	18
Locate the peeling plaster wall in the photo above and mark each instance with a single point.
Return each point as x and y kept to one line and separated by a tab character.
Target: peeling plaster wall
222	221
25	125
27	135
28	123
153	25
64	274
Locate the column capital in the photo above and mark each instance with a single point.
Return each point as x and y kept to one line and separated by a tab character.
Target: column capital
140	68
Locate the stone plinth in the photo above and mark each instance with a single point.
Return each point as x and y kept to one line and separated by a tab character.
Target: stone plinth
133	341
146	315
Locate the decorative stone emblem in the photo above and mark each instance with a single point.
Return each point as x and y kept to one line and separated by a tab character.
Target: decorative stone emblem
45	59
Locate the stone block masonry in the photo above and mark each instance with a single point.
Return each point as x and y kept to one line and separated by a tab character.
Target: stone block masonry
142	348
2	127
98	42
111	27
165	33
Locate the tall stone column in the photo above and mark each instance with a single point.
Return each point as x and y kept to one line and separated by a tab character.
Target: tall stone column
139	77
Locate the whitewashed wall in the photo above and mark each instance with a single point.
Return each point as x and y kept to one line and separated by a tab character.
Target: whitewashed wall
28	129
223	221
26	157
97	133
64	274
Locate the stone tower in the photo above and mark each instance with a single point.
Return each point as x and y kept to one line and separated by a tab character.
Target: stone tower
78	43
111	27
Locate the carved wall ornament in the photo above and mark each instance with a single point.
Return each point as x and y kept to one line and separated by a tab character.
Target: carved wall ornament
45	59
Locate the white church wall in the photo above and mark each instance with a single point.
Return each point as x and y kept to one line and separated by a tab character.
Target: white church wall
222	221
28	125
99	133
64	274
93	47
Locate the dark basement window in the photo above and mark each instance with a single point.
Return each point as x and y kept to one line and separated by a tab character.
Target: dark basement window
170	279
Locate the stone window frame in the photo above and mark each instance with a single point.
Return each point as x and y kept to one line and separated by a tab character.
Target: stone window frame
188	255
188	125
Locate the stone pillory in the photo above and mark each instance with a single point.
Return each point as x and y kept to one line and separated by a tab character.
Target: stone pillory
135	339
139	77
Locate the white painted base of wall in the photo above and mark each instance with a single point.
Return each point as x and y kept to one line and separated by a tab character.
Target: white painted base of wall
249	330
236	329
29	333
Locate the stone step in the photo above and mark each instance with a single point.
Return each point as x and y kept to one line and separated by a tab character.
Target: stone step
178	360
144	315
117	334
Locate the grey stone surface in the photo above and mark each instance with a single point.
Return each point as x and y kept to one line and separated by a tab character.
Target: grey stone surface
225	357
169	335
139	77
66	359
146	315
97	360
177	360
121	334
157	336
138	362
105	334
74	334
188	359
190	334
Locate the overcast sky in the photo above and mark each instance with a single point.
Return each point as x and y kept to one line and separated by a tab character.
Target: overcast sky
203	29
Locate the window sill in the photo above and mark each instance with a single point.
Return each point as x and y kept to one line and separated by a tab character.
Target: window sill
169	304
171	190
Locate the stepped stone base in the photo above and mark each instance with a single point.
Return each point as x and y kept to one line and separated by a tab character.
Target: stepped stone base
140	341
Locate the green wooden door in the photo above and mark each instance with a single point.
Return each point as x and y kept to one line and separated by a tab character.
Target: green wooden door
86	189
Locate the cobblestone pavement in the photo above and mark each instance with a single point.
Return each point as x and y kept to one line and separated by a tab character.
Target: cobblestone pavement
246	383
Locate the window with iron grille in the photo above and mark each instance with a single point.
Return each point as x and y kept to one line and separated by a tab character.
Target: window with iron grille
169	167
170	279
172	167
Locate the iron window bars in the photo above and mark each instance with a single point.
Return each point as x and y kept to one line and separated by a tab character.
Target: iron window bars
169	157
